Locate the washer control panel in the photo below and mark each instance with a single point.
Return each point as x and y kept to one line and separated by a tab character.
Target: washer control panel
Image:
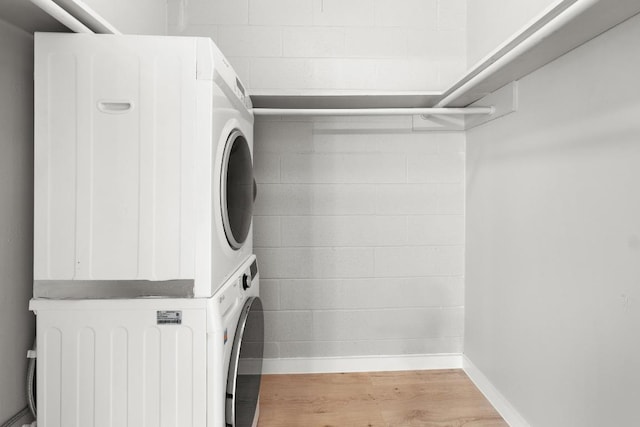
249	275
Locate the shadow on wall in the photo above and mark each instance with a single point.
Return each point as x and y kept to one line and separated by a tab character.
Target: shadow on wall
16	216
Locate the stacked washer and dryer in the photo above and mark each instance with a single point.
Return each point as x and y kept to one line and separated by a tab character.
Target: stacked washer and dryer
146	289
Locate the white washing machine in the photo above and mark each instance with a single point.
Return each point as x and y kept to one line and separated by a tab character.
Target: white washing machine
143	167
145	287
151	362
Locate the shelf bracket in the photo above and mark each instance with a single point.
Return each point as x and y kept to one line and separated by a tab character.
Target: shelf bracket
504	101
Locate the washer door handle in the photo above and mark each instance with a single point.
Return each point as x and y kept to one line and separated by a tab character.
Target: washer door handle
255	190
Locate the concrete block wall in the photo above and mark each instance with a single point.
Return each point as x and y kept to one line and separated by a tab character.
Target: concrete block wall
135	17
359	223
320	46
359	230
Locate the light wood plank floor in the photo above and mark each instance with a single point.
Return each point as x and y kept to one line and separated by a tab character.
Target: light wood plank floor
442	398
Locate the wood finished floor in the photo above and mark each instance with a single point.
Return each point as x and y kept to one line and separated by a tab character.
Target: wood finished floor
441	398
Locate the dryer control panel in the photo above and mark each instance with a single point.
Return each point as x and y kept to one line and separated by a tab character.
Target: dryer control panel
212	65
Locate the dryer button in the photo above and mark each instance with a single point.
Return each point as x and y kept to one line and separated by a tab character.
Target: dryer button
246	281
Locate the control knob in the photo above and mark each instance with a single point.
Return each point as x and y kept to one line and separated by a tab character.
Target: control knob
246	281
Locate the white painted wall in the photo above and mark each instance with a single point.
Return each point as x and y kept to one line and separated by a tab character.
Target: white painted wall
335	46
360	239
134	17
553	240
27	16
491	22
16	219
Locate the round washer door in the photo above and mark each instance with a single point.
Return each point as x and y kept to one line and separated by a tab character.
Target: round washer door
238	189
245	367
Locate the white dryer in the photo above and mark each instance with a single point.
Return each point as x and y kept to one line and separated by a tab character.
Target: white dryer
174	362
143	167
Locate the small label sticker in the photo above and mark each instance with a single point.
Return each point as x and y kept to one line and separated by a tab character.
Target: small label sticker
169	317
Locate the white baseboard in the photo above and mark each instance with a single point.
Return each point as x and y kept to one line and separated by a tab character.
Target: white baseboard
317	365
502	405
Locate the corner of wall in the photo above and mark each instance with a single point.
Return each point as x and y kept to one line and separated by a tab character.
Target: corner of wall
493	395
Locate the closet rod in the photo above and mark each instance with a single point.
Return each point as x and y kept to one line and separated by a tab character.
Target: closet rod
372	111
62	16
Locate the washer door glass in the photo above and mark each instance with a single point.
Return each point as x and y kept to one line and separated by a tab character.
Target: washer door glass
245	367
237	189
